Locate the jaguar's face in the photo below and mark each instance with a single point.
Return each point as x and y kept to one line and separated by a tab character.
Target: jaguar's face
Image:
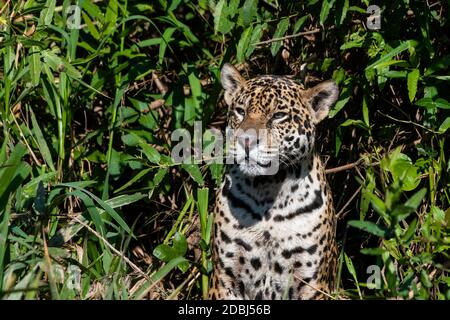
273	119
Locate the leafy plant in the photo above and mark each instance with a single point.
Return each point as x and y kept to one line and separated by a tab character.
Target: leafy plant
91	93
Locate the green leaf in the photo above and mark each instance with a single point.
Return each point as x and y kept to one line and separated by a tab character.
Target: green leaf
392	246
383	65
60	64
282	27
441	64
299	23
130	139
148	118
414	201
430	104
338	141
401	212
165	253
366	193
157	276
102	203
151	153
124	200
4	230
219	10
13	169
115	164
403	170
196	90
136	178
372	251
39	200
34	60
343	8
194	172
90	25
388	56
351	269
325	10
344	97
92	209
409	233
438	215
159	176
243	44
165	40
353	122
356	41
442	103
413	78
368	226
111	16
180	244
216	170
394	74
247	12
365	110
46	16
179	249
23	284
174	4
256	36
202	203
221	22
42	144
444	126
184	266
425	279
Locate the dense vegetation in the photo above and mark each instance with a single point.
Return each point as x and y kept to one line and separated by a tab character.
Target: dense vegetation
91	203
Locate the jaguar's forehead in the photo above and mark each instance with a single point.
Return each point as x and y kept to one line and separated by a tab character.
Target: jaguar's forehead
268	90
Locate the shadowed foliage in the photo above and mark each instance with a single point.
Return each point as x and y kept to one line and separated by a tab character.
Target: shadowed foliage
92	206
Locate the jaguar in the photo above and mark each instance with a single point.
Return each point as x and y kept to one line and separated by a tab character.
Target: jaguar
274	220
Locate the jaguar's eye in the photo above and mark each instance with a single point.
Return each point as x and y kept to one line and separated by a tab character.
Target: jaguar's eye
240	111
279	115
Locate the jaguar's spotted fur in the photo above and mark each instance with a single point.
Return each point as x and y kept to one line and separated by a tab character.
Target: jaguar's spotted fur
274	235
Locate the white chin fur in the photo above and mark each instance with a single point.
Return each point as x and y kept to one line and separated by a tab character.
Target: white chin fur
258	164
251	169
254	169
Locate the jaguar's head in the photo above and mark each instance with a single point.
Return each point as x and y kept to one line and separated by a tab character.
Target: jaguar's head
273	119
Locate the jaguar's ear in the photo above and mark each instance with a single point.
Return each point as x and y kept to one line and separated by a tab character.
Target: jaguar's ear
321	98
231	81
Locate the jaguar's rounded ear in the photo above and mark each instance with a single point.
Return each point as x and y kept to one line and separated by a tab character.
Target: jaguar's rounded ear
231	81
321	98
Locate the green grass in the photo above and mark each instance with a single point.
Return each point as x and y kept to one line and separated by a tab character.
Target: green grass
93	207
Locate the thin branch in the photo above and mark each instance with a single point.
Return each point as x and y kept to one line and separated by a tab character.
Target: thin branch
22	135
348	202
344	167
128	261
299	34
4	7
157	103
317	289
162	87
407	122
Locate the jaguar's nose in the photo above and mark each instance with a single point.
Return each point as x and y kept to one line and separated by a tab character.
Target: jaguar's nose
248	140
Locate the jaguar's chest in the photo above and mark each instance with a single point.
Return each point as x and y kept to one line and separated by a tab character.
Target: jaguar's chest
270	233
268	261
